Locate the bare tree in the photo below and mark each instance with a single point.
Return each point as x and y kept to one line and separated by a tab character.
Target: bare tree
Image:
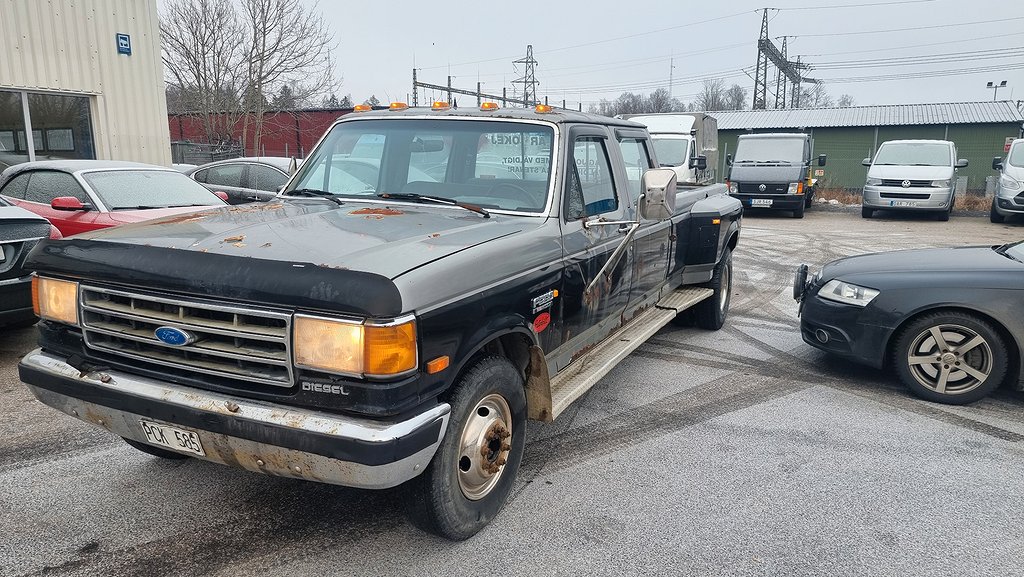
815	97
711	95
287	43
845	101
735	98
201	51
660	101
629	103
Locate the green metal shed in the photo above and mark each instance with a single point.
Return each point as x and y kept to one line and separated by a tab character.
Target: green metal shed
847	135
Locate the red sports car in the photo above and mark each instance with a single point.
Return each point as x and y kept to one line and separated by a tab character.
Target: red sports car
81	195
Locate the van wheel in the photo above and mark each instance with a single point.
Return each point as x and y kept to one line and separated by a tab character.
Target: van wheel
994	215
866	212
942	216
710	313
156	451
475	467
798	212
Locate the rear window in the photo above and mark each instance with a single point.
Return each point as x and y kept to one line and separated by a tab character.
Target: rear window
140	189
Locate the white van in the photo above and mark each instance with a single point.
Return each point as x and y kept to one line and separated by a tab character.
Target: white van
1009	197
912	175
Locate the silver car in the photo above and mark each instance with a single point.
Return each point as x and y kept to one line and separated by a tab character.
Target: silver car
912	175
1009	197
246	179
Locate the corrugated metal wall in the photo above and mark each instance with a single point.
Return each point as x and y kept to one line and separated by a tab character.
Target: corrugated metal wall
846	147
70	46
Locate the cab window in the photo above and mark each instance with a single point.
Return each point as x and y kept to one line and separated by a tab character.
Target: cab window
591	188
637	160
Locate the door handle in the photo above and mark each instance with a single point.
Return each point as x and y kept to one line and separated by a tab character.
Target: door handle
624	229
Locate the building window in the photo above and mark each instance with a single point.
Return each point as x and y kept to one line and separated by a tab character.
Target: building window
60	126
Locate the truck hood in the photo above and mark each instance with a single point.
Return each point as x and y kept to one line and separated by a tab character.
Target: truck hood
308	253
766	174
911	172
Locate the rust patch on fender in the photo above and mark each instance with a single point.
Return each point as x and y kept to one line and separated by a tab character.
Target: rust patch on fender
236	238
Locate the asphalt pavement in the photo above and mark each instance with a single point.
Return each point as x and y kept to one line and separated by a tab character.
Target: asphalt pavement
736	452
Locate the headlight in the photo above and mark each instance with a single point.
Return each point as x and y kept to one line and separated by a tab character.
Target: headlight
940	183
873	181
55	300
795	188
1009	183
844	292
733	188
354	348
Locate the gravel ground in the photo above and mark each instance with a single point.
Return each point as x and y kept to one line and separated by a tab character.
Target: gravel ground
737	452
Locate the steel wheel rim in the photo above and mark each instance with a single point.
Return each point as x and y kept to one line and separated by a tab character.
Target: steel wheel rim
484	445
950	359
726	287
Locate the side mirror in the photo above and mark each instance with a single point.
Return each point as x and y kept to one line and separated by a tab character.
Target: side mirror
866	162
68	203
821	159
728	159
659	199
997	163
293	166
699	162
221	195
962	163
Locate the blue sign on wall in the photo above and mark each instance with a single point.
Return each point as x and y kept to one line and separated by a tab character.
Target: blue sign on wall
124	44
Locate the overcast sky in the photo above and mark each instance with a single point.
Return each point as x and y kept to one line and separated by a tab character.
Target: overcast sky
598	49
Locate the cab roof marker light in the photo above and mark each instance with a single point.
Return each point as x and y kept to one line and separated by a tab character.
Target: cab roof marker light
489	106
398	106
542	109
362	108
440	105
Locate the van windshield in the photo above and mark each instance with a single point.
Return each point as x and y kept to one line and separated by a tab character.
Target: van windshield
670	151
1016	157
770	150
914	154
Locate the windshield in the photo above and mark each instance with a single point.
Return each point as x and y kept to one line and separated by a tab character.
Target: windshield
497	165
670	151
1015	250
1016	156
133	189
914	154
789	150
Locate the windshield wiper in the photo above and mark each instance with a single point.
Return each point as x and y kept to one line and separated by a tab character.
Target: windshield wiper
315	192
437	199
140	207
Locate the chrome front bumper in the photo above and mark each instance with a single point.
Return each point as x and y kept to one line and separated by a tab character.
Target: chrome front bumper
254	435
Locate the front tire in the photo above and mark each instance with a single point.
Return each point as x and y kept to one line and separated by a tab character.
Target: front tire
994	215
952	357
475	467
799	212
866	212
711	313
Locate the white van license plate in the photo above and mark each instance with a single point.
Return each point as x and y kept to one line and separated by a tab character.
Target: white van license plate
761	201
172	438
902	203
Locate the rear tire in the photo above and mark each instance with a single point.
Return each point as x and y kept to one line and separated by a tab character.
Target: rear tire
866	212
940	371
711	313
994	215
475	467
156	451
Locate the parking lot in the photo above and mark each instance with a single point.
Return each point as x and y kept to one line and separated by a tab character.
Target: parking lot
738	452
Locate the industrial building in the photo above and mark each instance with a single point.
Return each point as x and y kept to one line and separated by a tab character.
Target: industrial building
980	130
81	80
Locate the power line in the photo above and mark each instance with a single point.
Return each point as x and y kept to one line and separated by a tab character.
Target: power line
925	74
890	49
907	29
952	57
853	5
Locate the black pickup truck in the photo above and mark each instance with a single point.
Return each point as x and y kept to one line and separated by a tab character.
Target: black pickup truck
428	281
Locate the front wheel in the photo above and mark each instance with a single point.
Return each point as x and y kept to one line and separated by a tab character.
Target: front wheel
866	212
952	357
799	212
710	313
994	215
475	467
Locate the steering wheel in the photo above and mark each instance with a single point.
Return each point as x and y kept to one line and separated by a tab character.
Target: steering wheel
518	193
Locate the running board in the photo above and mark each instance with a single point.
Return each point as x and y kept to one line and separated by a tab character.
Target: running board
583	373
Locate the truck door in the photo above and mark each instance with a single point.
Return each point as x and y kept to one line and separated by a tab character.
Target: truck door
591	193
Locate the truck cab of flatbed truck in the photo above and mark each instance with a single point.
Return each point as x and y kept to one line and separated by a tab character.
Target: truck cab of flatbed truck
425	283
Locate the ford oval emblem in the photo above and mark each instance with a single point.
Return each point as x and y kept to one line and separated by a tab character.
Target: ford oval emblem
174	337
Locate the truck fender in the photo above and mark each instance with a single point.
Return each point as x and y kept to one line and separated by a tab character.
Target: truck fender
492	332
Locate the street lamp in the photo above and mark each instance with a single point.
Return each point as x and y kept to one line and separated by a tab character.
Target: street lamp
995	88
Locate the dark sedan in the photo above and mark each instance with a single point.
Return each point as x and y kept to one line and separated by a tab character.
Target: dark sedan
948	321
19	232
